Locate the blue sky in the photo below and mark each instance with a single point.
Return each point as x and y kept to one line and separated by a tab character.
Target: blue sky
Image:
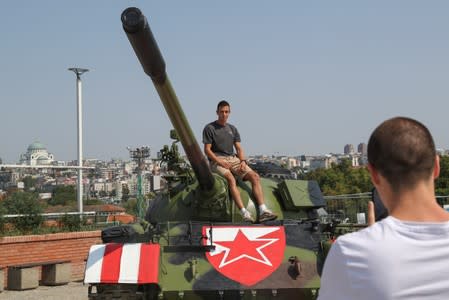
302	77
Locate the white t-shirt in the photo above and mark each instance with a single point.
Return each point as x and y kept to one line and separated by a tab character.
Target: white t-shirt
391	259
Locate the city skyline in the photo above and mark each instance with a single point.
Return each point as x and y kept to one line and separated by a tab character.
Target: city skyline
26	154
302	78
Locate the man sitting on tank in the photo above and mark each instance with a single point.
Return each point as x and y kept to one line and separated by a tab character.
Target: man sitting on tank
220	138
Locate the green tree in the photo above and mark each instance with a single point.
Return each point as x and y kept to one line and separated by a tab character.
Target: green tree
150	196
93	202
29	183
345	166
345	179
131	206
26	204
2	218
71	222
442	182
341	179
63	195
125	192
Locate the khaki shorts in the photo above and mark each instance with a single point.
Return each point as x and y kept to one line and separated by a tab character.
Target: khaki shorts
235	167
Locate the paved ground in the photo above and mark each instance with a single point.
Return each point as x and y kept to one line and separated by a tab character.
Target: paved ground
71	291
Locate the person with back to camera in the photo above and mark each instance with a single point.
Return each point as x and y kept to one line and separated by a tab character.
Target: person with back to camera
406	255
220	138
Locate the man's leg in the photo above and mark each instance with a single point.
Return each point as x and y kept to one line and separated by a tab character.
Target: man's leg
232	185
235	194
254	178
264	213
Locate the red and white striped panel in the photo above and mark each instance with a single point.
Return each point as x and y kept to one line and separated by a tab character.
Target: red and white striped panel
122	263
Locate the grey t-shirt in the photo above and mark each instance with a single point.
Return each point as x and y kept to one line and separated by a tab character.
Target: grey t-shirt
222	138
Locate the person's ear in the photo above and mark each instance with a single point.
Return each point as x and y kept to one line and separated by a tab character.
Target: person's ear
374	174
436	168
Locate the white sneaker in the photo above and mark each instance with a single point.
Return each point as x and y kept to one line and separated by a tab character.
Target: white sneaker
247	217
267	216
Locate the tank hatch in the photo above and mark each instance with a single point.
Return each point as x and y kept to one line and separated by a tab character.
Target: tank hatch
300	194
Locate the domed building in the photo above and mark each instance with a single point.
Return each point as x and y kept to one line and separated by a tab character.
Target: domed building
36	154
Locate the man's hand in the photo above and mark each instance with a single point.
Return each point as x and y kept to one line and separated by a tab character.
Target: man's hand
242	165
224	164
371	214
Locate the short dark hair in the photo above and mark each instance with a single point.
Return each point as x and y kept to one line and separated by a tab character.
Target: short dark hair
222	103
403	151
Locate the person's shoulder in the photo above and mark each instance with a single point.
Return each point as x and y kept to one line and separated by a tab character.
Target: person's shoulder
365	237
233	127
210	125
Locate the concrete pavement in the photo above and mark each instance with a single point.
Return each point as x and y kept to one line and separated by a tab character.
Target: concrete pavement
70	291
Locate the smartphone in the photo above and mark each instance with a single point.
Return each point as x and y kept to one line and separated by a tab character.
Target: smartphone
380	210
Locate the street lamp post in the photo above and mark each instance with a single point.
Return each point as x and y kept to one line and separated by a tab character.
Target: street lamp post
79	72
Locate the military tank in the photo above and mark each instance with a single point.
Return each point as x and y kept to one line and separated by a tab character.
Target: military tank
193	243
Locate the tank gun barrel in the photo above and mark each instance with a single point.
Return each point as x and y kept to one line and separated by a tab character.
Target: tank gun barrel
147	51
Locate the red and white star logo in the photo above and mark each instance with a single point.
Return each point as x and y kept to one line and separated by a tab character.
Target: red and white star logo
246	254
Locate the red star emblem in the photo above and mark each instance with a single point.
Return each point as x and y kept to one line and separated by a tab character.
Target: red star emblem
246	254
248	249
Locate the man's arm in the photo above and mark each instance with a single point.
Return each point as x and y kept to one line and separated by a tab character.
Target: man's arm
239	151
240	154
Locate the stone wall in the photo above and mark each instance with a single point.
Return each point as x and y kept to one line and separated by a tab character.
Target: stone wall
72	246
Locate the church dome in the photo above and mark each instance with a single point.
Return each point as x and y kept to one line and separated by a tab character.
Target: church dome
36	146
36	154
